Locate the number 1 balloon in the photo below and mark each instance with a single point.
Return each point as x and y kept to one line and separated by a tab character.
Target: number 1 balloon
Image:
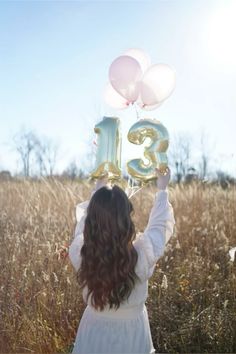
108	149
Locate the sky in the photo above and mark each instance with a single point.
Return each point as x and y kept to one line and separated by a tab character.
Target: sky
54	63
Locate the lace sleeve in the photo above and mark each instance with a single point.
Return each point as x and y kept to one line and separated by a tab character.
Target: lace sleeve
151	244
81	213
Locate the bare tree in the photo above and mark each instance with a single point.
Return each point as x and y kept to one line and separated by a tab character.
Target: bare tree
38	155
204	155
73	171
180	155
25	142
46	153
224	179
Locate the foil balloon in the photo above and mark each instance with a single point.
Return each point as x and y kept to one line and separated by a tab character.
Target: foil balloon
108	149
154	152
125	74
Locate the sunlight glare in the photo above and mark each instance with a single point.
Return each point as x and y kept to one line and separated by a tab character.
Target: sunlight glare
220	38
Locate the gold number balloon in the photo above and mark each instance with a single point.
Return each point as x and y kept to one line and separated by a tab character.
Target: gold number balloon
155	152
108	148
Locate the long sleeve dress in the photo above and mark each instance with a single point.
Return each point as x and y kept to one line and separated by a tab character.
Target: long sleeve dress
127	329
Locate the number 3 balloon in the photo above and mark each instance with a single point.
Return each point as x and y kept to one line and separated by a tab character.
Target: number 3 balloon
155	152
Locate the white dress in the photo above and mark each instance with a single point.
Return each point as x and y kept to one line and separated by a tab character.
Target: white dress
127	329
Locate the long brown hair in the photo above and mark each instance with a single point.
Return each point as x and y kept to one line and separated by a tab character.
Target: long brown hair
108	255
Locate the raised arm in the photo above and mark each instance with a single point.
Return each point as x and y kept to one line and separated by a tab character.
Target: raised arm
151	244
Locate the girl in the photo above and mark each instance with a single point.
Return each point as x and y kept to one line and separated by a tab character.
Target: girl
113	267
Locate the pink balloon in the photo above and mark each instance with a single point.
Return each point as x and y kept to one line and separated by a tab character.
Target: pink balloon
125	74
113	99
142	58
157	84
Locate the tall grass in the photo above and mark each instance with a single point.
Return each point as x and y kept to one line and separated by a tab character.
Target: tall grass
192	295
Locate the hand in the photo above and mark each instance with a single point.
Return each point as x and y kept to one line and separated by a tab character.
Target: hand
101	182
162	179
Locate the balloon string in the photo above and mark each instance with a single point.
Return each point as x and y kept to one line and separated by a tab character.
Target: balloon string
131	190
135	191
136	110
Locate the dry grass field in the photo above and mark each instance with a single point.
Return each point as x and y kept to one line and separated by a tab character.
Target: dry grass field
192	295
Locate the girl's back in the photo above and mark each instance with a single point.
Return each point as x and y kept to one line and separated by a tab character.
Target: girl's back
113	268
